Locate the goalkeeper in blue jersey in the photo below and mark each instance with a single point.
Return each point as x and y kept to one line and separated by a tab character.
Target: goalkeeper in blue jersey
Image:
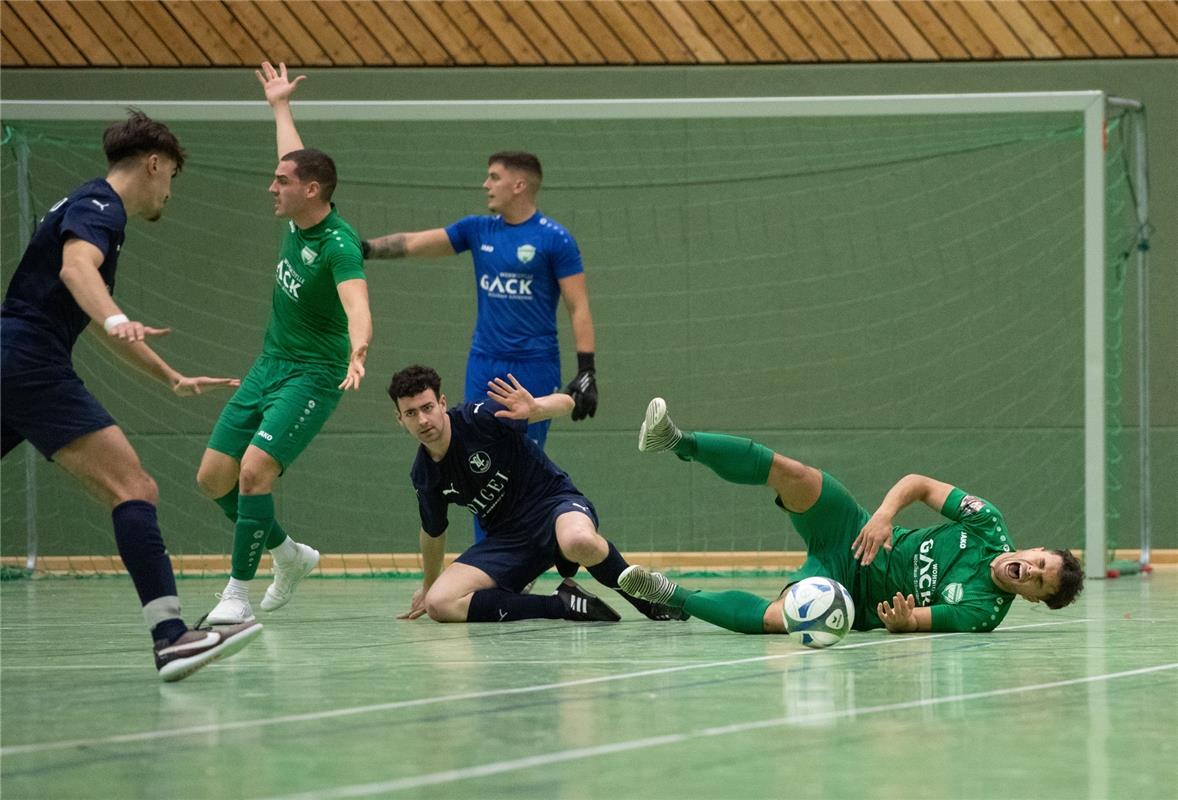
476	455
524	264
962	575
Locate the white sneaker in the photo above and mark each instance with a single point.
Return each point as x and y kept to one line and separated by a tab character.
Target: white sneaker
647	584
657	432
232	610
287	577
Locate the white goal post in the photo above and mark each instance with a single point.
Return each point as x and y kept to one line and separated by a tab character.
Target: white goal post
1089	104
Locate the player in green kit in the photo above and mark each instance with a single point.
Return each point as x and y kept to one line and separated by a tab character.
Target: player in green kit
315	346
959	576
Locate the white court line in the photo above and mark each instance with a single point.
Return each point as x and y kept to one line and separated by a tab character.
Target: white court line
196	730
500	767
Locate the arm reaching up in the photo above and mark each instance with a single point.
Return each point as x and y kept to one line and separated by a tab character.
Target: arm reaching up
278	90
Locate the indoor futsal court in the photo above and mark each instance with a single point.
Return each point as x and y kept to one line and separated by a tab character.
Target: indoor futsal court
925	247
340	700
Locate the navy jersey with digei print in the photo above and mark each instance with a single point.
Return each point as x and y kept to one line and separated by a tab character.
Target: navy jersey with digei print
492	468
36	296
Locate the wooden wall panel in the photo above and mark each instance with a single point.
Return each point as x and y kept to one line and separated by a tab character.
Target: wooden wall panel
781	32
9	55
623	26
1024	26
583	48
886	48
132	23
18	35
900	27
410	33
1150	27
93	49
125	51
45	31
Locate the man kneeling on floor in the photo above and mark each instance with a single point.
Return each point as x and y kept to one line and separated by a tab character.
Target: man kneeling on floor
478	455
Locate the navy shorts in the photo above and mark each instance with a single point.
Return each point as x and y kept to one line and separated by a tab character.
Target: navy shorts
514	560
540	377
42	399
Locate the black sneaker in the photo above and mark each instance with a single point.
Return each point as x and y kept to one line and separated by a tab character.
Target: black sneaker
201	646
656	611
581	606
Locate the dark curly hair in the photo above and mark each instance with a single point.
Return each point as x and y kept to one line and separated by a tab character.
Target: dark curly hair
138	135
1071	581
414	380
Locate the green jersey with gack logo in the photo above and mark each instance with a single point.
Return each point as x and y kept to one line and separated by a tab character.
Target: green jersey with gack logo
307	321
947	567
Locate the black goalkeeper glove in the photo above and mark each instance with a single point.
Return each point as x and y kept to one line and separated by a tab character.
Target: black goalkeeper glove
583	388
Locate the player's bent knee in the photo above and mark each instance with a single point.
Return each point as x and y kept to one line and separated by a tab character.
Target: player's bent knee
444	610
137	485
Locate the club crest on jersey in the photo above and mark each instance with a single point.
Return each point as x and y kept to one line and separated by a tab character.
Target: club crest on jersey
479	462
525	253
952	593
308	255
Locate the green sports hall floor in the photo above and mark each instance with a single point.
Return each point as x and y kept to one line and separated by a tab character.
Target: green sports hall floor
337	699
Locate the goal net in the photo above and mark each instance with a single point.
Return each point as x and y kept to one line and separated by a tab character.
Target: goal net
874	286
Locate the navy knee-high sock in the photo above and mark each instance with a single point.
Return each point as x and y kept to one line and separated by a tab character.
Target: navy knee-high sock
496	605
607	571
141	546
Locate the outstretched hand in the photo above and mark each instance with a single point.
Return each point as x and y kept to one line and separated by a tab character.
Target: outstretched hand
277	86
132	331
189	387
517	401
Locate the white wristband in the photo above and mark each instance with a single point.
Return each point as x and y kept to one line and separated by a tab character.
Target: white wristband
113	320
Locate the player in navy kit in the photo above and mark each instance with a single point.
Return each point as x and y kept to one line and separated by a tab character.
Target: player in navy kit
65	282
524	264
478	456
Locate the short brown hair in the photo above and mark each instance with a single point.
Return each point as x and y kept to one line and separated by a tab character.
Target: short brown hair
519	161
413	381
138	135
314	165
1071	581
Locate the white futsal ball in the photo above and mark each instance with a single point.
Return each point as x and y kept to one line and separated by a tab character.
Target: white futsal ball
818	612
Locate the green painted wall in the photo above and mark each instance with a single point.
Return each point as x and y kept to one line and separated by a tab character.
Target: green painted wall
668	320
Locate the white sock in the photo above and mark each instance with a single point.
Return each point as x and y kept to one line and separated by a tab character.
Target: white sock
238	589
286	552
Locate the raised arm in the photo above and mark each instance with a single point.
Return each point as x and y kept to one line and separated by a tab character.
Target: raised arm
353	294
908	490
433	243
518	402
278	91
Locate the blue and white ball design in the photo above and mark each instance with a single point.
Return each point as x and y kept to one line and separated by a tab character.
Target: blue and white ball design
818	612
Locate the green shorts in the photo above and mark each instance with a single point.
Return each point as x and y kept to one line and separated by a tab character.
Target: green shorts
829	528
279	408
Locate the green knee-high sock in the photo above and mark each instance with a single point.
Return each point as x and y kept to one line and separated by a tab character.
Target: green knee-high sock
255	519
734	458
228	505
737	611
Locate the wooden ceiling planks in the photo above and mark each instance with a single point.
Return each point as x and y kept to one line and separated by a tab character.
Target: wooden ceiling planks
349	33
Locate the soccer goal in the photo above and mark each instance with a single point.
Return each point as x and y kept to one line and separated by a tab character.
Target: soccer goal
875	285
